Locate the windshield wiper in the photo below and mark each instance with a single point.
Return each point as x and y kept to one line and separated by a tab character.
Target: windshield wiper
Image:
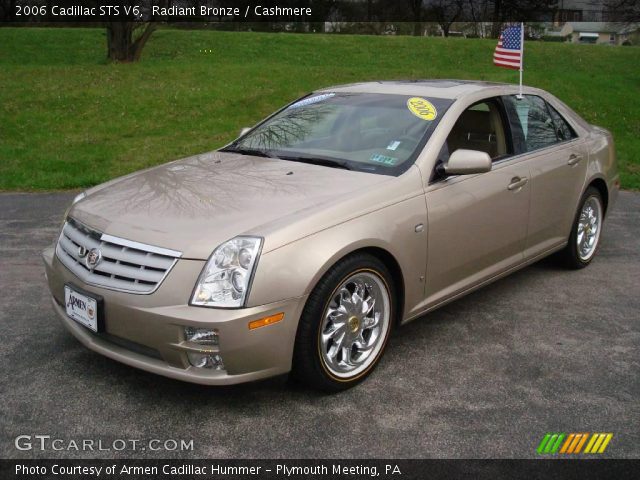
326	162
256	152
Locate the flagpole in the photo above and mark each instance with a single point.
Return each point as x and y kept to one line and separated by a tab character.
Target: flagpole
521	57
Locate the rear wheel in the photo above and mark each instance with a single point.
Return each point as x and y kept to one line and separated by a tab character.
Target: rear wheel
587	228
345	324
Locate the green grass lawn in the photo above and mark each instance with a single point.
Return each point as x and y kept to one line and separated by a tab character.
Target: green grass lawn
69	119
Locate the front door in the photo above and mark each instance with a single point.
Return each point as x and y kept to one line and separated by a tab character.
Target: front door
477	223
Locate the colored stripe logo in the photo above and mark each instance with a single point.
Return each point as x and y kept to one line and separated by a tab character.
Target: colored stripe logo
573	443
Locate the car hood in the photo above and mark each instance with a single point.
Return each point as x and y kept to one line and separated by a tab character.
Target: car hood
195	204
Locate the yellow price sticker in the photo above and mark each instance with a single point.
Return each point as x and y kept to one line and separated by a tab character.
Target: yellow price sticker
422	108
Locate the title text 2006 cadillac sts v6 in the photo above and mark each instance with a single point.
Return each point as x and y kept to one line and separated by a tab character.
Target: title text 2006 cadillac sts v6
301	245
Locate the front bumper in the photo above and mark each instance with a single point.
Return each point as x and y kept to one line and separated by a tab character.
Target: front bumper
147	331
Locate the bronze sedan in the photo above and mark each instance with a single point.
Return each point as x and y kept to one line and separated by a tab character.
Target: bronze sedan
301	245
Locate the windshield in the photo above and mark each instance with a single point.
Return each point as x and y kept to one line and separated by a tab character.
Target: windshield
372	132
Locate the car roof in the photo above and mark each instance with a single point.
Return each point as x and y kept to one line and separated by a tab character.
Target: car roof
437	88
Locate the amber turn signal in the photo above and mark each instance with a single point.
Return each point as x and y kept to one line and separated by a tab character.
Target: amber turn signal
263	322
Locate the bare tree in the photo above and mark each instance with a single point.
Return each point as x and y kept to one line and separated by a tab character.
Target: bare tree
416	11
624	11
322	10
445	12
519	10
478	11
7	10
125	40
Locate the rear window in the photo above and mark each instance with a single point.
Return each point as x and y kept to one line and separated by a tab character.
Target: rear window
535	124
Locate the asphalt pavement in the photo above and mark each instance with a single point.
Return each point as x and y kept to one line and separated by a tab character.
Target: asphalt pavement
543	350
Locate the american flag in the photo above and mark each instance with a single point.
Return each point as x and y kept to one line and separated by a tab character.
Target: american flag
508	52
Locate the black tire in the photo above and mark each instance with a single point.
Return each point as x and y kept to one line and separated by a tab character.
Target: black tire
570	255
308	366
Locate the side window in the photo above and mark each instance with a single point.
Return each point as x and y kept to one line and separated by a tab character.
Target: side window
482	126
541	131
563	130
531	124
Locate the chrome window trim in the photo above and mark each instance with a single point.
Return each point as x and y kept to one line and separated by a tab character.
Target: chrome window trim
519	157
538	151
511	160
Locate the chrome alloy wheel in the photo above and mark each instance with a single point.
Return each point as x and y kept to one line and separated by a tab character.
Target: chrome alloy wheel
589	227
355	324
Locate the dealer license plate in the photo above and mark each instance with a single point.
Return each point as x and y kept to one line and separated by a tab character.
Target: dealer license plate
81	308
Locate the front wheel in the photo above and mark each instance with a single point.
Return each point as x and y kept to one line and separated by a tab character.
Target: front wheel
587	228
345	324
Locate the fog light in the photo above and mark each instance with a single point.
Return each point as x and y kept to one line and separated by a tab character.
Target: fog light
201	336
206	360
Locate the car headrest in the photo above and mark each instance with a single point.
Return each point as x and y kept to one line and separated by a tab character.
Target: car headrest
475	121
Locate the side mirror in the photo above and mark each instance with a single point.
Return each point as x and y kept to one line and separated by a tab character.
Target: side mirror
244	131
466	162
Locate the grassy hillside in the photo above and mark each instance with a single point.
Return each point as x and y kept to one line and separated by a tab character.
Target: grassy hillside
68	119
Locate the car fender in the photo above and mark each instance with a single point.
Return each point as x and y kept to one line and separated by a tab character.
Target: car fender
602	164
294	269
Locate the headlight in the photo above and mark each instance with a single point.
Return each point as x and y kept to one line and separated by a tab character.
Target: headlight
76	199
226	277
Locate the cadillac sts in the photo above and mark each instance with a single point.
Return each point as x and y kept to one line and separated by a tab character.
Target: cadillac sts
301	245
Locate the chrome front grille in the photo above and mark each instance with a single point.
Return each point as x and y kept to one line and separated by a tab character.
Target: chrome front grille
122	264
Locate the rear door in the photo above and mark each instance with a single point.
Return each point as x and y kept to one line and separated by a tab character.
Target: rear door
477	223
557	163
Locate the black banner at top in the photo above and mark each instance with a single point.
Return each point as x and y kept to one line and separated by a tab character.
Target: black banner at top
314	11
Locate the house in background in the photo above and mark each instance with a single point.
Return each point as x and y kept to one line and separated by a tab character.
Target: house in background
598	32
580	11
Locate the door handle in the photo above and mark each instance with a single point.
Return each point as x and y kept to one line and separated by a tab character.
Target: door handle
573	159
517	183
